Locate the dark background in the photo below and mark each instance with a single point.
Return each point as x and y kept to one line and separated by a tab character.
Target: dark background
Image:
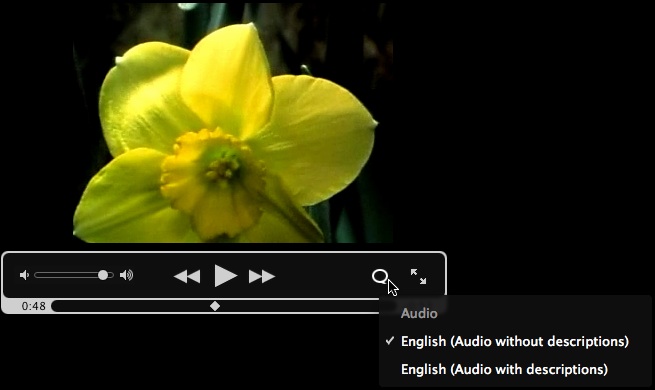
523	149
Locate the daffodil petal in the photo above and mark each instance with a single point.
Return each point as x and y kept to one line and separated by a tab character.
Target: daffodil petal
140	104
282	220
227	81
319	137
122	203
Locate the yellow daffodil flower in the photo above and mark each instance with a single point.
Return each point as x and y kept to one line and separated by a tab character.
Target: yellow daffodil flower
208	147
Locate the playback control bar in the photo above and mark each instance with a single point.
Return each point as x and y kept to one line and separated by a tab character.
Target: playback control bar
236	281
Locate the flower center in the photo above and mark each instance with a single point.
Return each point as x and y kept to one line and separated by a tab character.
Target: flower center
214	178
223	168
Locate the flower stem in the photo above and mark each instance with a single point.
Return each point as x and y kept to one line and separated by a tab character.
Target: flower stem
320	213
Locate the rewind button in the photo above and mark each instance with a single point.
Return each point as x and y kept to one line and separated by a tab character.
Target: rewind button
182	276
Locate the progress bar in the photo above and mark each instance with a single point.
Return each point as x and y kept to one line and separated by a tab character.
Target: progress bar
192	306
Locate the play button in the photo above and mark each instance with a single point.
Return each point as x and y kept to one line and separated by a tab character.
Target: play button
221	275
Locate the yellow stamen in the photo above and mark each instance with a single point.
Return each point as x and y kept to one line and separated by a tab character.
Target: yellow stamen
214	178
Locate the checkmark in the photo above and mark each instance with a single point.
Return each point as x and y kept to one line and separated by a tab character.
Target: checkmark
390	340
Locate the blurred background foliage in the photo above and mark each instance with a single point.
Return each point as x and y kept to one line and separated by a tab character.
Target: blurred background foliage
351	45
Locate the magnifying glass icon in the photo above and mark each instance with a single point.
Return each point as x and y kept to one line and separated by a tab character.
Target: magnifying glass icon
384	279
391	288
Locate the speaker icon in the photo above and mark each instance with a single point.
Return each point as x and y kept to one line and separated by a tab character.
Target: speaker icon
24	275
127	274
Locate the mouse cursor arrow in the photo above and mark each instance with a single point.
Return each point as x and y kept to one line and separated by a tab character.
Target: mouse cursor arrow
391	288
